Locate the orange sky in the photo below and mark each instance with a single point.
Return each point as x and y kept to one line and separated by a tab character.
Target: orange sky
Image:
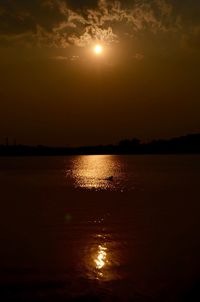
54	90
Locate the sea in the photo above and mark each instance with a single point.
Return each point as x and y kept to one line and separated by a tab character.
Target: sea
100	228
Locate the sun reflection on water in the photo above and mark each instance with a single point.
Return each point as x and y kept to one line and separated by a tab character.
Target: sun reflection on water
101	257
94	172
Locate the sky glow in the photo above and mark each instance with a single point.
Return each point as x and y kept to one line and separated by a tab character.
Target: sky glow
95	72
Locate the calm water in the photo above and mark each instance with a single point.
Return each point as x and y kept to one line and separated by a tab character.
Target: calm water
68	233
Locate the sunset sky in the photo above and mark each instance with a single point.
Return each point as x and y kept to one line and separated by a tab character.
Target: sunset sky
56	89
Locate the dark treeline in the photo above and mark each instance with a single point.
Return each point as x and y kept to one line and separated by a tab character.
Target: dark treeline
189	144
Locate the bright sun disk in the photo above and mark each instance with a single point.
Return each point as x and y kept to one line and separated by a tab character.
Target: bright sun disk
98	49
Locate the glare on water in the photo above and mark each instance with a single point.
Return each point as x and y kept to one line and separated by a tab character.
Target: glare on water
93	172
101	257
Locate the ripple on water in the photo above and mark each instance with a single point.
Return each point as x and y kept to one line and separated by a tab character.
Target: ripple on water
102	172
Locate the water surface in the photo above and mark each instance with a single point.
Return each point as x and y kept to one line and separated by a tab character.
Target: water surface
69	233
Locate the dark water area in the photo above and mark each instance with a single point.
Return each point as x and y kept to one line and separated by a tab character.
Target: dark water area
68	233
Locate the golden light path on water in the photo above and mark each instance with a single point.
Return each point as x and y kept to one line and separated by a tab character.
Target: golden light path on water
101	257
102	251
94	172
98	260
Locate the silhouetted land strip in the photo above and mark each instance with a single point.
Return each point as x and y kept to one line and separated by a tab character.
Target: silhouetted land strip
189	144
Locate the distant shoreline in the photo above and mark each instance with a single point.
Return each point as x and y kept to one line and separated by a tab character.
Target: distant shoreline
188	144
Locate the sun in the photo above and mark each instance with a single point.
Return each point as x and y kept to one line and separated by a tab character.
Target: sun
98	49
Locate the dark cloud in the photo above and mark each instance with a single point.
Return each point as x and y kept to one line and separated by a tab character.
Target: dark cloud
55	23
60	23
